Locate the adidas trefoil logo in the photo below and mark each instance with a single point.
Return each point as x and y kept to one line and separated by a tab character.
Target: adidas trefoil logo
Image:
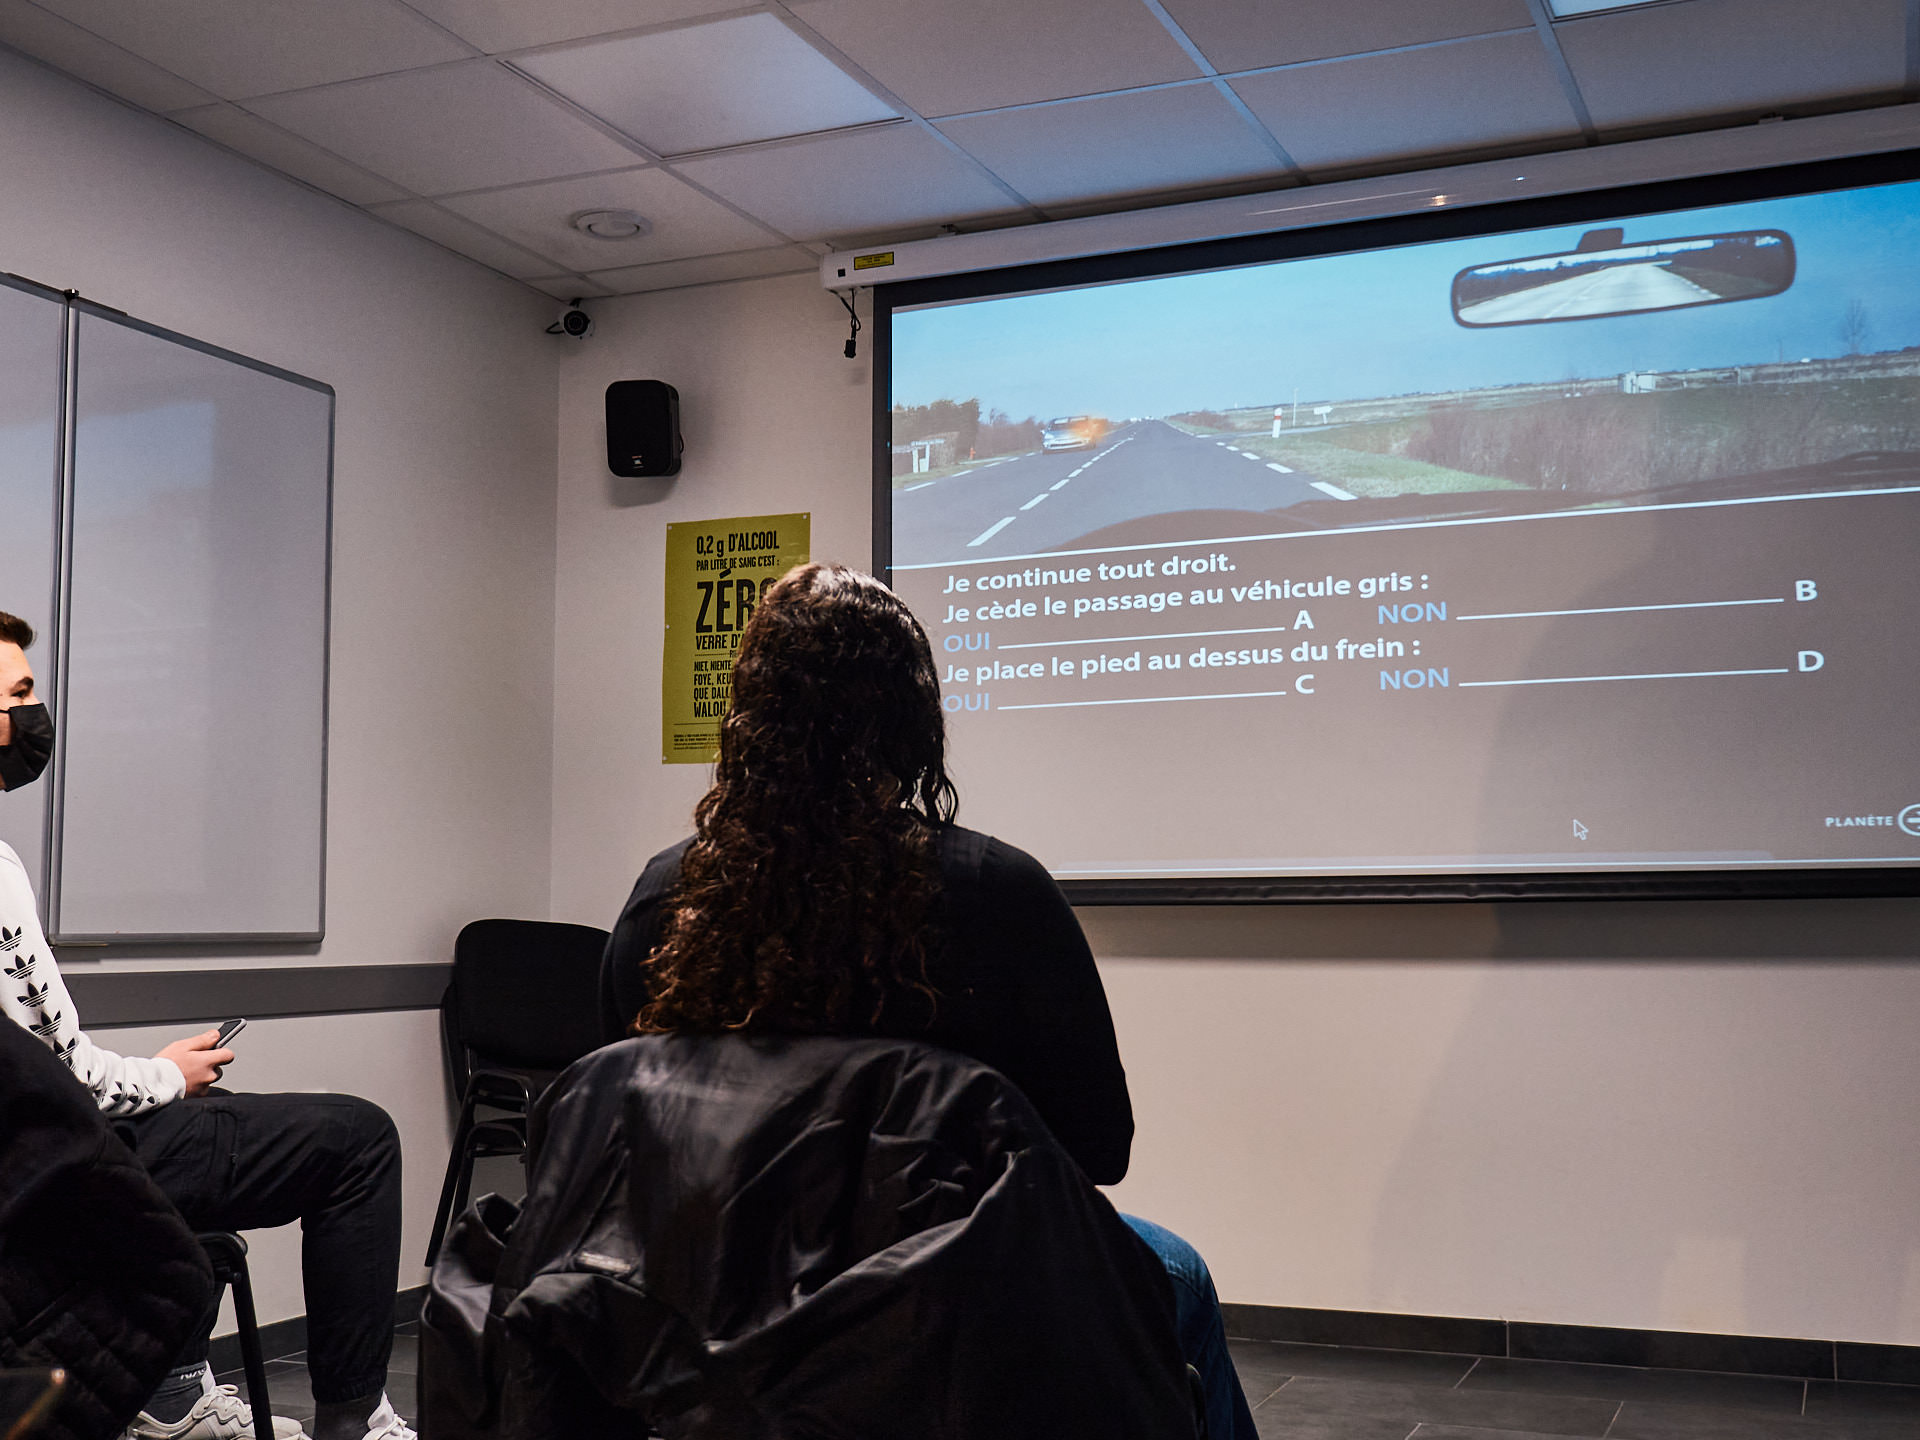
23	967
10	939
64	1053
48	1024
36	995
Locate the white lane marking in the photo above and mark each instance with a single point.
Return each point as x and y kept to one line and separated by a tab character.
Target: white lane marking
1063	482
1141	700
909	489
1249	454
1034	501
1589	679
991	531
1072	473
1619	609
1283	469
1334	490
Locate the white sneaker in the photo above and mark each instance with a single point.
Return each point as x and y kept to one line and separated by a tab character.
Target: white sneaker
219	1414
385	1424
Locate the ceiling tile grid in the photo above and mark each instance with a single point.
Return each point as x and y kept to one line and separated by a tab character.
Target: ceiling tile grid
683	221
747	131
1240	35
1467	95
236	48
1145	141
455	127
704	87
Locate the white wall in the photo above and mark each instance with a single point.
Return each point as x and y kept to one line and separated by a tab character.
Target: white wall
776	419
1691	1116
440	788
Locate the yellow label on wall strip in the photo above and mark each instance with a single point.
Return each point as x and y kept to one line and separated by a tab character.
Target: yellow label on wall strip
874	261
716	570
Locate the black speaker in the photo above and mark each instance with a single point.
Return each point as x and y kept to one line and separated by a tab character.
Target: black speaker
643	428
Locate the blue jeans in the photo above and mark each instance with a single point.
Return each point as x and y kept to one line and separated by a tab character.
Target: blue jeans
1203	1339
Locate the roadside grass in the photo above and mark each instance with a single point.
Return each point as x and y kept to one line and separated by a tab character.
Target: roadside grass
1364	473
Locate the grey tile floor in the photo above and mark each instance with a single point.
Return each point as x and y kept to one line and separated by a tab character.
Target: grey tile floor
1322	1392
293	1395
1326	1392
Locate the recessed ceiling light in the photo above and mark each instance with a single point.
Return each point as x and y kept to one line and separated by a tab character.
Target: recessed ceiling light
611	224
1567	9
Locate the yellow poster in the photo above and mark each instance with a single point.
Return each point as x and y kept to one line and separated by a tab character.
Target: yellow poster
717	570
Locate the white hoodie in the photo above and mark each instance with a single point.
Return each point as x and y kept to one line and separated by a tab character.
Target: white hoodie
33	995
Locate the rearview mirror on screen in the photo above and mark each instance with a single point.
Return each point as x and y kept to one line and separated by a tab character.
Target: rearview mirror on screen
1604	275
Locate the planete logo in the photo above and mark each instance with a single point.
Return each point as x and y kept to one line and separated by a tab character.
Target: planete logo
1907	821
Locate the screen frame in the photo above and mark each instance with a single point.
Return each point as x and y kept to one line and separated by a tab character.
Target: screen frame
1838	880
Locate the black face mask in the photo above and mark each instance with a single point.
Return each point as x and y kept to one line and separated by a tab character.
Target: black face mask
32	747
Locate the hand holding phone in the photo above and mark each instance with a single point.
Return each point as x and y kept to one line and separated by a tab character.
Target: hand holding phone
228	1031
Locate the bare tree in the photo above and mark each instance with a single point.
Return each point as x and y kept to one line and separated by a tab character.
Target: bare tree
1855	327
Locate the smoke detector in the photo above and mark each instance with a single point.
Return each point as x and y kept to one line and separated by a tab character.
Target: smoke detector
611	224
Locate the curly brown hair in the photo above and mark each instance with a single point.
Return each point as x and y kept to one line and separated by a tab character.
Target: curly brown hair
804	902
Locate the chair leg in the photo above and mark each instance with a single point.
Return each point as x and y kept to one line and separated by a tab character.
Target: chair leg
453	1190
228	1253
250	1357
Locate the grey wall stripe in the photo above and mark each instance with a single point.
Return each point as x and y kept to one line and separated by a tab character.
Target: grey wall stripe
157	996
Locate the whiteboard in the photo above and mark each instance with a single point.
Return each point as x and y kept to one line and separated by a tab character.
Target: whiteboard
32	361
190	778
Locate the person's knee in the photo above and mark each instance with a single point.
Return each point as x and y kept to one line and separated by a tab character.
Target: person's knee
369	1133
1183	1263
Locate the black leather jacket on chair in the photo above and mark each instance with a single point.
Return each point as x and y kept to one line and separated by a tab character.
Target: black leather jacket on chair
99	1274
755	1237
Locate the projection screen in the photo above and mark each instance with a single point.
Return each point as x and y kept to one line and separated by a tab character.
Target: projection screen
1542	548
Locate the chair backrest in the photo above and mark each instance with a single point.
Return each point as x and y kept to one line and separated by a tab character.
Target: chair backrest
867	1236
526	992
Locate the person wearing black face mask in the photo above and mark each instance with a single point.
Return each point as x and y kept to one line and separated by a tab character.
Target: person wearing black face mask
331	1162
26	741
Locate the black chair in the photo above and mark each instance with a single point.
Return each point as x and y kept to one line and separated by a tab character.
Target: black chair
523	1005
228	1254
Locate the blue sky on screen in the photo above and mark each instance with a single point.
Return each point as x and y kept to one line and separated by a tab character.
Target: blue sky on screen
1351	327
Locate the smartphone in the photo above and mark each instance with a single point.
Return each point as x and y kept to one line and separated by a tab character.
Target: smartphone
228	1031
27	1398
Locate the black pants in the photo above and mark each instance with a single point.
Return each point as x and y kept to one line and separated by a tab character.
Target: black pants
332	1162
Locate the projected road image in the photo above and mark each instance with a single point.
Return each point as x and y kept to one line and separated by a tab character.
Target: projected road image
1040	501
1646	286
1560	550
1771	347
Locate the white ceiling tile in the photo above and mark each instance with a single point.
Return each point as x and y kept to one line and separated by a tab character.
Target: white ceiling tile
944	58
458	127
240	47
1245	34
1154	140
1726	57
84	55
684	221
743	265
273	146
1473	95
467	239
500	25
570	287
703	86
861	180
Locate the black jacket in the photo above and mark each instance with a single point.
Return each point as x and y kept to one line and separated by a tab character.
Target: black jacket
756	1237
98	1273
1018	988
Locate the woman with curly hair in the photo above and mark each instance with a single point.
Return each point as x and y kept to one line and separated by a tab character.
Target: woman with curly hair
826	890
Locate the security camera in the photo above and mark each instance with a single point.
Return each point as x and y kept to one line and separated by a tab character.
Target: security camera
573	322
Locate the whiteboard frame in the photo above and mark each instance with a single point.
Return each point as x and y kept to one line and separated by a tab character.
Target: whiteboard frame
56	934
